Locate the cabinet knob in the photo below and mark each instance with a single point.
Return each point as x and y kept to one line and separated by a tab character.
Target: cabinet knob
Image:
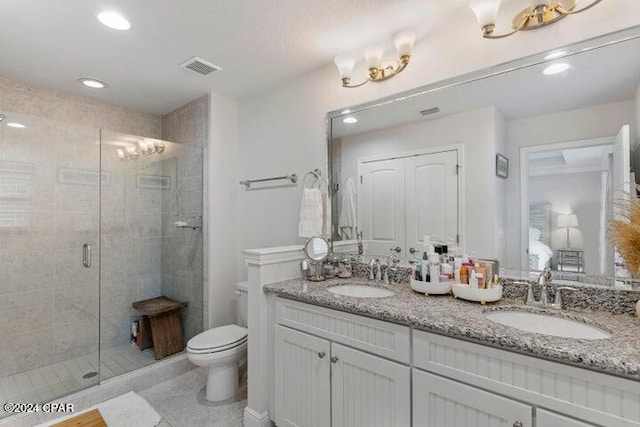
518	424
397	249
334	359
322	354
412	250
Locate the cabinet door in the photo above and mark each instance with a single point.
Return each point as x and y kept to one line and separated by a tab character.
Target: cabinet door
431	194
438	402
549	419
368	391
302	379
381	199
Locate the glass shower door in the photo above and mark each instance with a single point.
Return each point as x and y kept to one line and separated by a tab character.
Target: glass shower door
49	239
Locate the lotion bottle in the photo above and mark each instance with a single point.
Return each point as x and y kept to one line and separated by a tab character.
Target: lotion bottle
434	267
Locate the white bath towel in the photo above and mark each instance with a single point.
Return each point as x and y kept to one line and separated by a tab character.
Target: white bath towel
348	219
311	220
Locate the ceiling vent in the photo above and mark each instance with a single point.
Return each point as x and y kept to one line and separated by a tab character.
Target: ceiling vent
430	111
200	66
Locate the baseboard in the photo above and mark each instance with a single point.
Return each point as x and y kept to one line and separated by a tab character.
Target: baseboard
254	419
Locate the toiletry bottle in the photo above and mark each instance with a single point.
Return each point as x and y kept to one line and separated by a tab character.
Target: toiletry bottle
473	280
457	264
434	268
360	247
424	267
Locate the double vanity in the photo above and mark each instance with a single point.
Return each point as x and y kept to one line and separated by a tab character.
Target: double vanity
351	352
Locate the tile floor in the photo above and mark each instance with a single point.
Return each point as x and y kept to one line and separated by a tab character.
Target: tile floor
181	403
52	381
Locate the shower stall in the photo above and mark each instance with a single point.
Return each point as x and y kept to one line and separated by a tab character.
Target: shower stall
91	221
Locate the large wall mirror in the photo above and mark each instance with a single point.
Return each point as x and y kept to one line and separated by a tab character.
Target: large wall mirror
522	163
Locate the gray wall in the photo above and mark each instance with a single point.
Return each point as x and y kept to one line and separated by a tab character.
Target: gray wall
182	252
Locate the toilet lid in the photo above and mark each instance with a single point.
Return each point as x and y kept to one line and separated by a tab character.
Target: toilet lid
222	336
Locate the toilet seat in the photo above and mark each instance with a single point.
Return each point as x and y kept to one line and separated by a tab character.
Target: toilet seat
217	340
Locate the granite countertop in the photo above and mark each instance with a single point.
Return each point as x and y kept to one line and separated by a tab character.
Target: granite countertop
444	315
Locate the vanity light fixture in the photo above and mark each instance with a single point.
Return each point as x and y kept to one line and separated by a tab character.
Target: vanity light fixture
92	83
378	71
127	154
350	120
539	14
147	148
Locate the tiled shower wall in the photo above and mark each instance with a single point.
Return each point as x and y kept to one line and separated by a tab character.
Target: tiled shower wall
48	301
183	253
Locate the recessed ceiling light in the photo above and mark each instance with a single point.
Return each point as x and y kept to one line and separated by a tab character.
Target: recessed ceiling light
16	125
92	83
114	20
350	120
555	55
556	69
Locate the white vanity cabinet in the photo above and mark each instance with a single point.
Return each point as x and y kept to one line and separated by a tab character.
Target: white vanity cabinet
303	389
549	419
439	402
320	381
343	370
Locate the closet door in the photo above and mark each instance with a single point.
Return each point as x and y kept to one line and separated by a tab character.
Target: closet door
431	198
381	196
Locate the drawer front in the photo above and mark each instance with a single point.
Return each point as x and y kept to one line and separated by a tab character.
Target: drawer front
603	399
439	402
374	336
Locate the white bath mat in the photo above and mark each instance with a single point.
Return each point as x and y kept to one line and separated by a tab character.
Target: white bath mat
123	411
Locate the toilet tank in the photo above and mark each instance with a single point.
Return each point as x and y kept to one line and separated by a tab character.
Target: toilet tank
243	304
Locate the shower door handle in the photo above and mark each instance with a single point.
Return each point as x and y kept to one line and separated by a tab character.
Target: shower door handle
86	255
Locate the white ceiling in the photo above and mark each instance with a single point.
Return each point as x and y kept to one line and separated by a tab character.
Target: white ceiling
258	43
610	74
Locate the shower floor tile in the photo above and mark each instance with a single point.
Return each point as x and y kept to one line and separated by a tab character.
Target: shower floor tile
52	381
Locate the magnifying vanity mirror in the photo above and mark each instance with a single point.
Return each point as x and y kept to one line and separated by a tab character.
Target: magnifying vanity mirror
521	163
317	250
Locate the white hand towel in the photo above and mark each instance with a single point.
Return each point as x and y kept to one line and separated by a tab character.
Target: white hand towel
311	213
348	219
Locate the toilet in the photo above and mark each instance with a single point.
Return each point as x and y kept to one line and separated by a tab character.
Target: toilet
220	350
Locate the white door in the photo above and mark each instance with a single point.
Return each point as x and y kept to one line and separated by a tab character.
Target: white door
303	392
381	199
368	391
431	198
549	419
439	402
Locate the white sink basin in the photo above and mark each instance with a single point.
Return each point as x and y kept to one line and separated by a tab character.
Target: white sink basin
547	325
361	291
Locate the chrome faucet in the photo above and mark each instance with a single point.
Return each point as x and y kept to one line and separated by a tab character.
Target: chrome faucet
392	264
375	262
544	280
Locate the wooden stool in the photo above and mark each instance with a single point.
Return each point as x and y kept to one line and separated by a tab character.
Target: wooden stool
164	317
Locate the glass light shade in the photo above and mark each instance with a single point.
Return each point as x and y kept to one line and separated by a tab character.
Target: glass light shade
486	11
536	3
143	145
373	57
120	153
404	42
345	66
567	220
